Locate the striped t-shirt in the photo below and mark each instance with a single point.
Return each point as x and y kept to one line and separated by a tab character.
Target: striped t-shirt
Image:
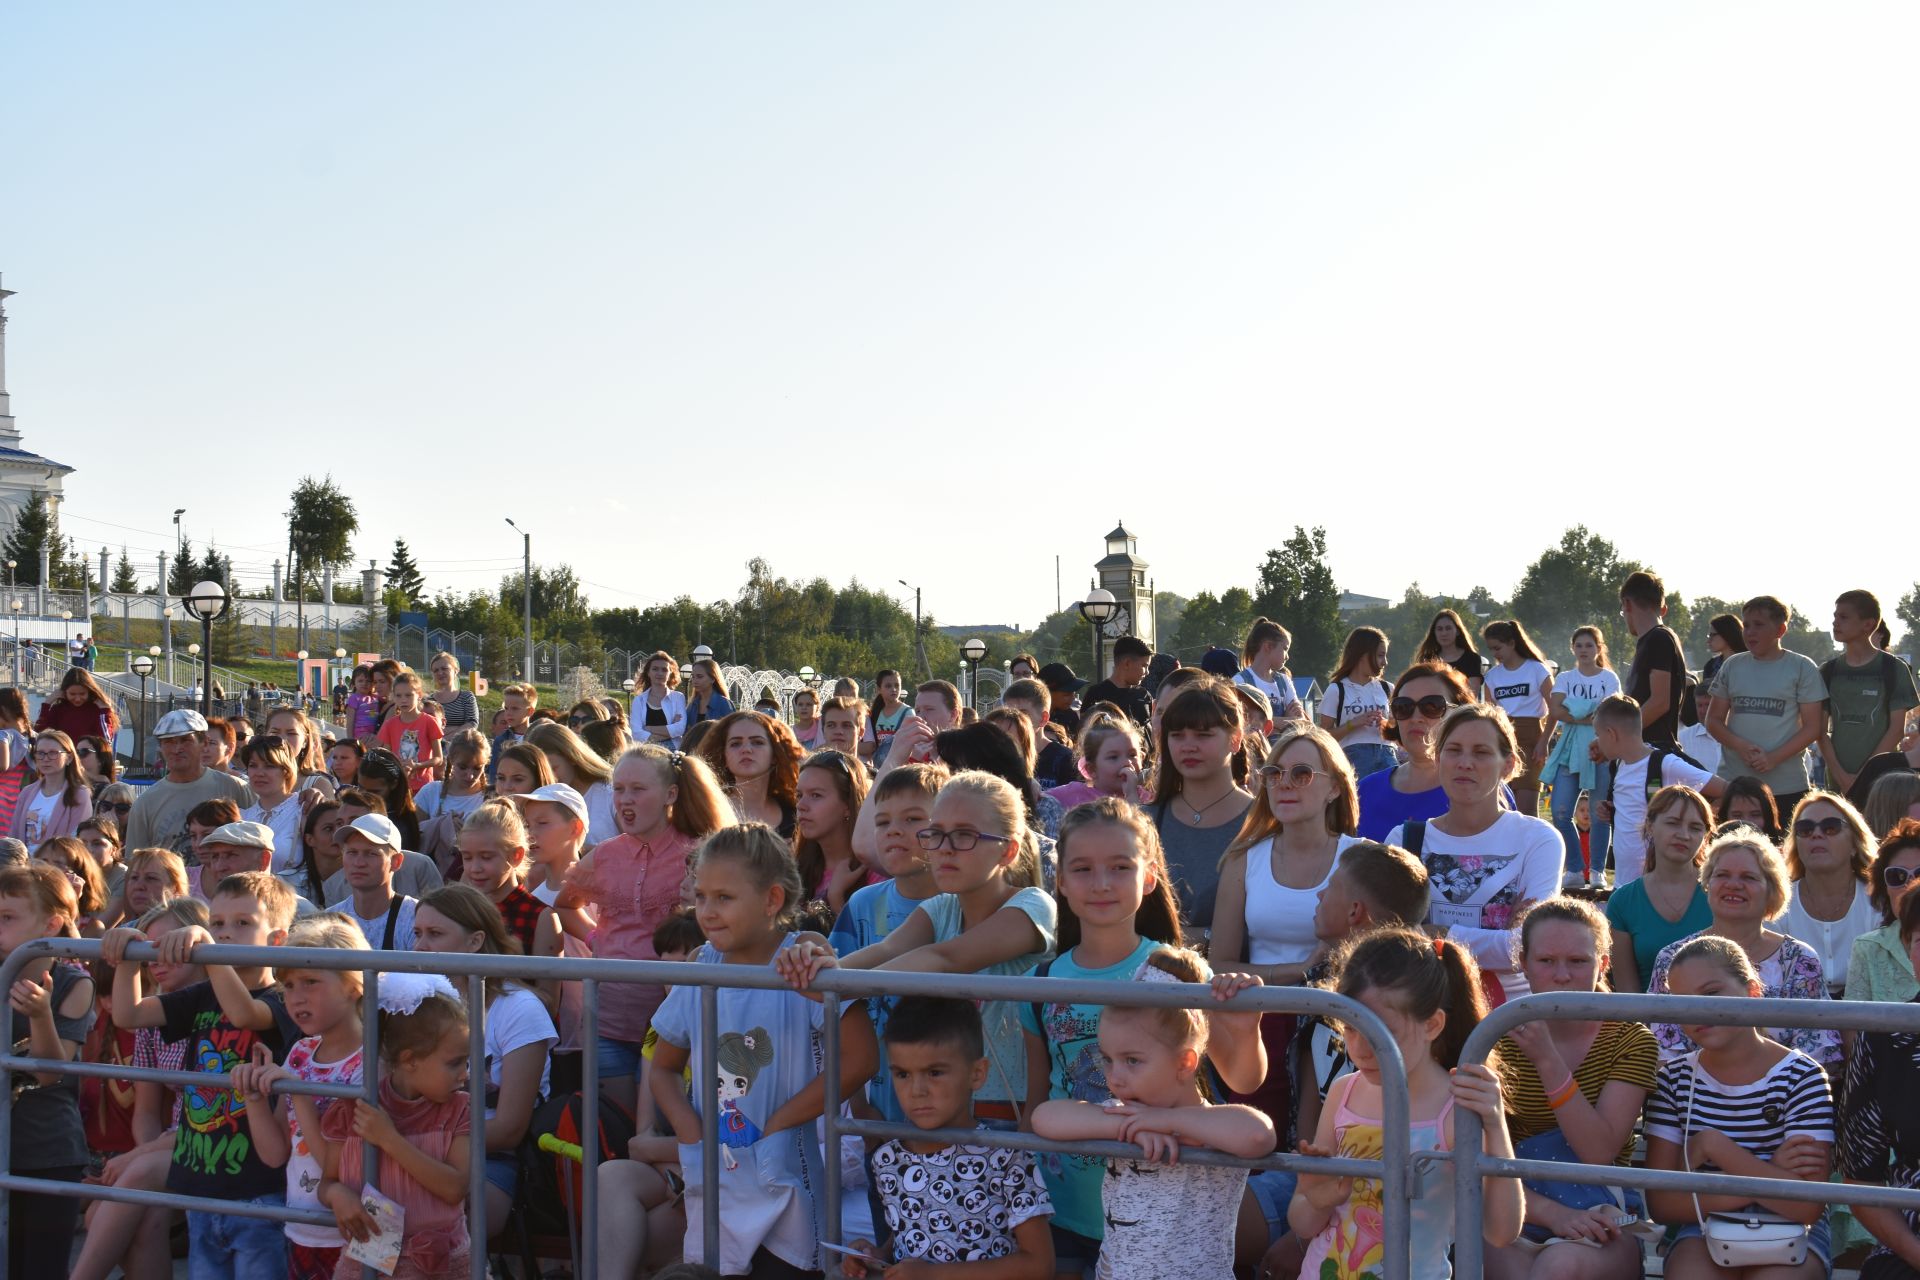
1793	1097
1620	1051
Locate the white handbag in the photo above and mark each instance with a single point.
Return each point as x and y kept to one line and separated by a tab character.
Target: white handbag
1750	1237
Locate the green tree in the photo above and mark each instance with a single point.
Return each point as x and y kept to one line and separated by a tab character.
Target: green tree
1212	620
214	567
183	571
403	575
320	528
35	527
1575	583
125	580
1297	590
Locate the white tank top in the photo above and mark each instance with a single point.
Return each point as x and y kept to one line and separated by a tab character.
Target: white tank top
1279	919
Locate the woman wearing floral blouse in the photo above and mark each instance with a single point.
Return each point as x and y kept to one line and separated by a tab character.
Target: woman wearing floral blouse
1746	884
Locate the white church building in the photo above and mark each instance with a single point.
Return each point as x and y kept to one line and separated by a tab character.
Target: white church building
22	474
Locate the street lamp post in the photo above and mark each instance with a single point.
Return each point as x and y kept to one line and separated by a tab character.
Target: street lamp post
141	666
66	629
973	651
1096	609
166	625
208	601
526	574
919	645
16	637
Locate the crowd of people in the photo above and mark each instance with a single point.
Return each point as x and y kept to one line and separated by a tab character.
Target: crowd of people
1750	831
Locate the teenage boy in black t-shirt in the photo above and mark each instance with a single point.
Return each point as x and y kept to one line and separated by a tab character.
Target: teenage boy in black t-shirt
1123	688
1659	671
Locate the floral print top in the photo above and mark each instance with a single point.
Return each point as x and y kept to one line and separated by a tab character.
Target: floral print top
1794	972
1880	1117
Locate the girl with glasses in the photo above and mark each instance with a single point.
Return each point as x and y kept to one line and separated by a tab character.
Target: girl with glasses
1828	852
1411	789
55	799
1880	967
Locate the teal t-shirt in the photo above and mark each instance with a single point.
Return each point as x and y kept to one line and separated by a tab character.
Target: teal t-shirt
1073	1057
1631	910
871	914
1006	1047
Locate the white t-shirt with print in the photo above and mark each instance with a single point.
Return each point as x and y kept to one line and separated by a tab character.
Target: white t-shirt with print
1598	687
1518	691
1630	809
1280	693
957	1204
40	816
303	1167
1347	700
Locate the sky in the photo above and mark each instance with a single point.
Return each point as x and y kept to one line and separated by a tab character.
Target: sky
937	293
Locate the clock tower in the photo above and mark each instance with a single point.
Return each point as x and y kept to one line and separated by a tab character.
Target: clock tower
1122	572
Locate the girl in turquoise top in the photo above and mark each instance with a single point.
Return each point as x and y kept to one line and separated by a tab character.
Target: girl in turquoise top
1568	766
1667	903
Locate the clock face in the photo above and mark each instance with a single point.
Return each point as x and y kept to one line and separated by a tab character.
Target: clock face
1116	626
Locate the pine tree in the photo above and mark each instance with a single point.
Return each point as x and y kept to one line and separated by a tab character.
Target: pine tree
403	574
184	571
33	528
215	567
125	580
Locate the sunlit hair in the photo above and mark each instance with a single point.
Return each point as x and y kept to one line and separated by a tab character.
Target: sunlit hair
1206	705
1674	797
785	753
1094	733
1904	836
712	669
765	858
1429	650
13	711
699	806
1857	832
1422	976
169	862
1175	1028
1009	811
276	897
46	887
109	831
849	778
1362	643
1891	800
271	752
76	791
102	752
1599	640
1773	868
468	745
181	910
419	1033
562	743
1159	915
1261	633
923	780
1751	788
673	670
326	931
1571	911
1392	883
312	755
1342	814
70	856
500	819
1724	953
531	758
78	677
1016	726
606	738
1508	631
1477	713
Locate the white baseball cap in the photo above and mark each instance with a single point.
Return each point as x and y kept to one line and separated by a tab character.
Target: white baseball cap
559	793
377	828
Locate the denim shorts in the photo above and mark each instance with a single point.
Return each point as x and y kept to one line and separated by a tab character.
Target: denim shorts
1819	1241
503	1171
1273	1191
1074	1253
617	1057
227	1246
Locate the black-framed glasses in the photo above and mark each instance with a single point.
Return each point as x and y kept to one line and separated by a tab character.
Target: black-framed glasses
1293	777
1433	706
1899	877
931	838
1807	827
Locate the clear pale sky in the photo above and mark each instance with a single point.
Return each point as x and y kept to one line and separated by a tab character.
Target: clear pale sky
938	292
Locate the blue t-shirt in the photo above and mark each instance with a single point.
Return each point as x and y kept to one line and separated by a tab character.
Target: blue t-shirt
1629	909
871	914
1073	1063
768	1051
1006	1047
1382	808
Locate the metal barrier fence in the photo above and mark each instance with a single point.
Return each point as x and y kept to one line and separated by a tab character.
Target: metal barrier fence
1471	1164
1392	1168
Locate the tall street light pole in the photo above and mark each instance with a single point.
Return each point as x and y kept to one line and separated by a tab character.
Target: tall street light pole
526	553
919	644
1096	609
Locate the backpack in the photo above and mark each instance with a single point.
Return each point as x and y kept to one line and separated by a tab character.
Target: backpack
1889	678
551	1190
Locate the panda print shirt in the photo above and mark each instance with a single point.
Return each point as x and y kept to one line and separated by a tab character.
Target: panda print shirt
957	1204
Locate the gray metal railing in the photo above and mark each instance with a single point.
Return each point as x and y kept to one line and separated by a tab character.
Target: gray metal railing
1392	1169
1471	1164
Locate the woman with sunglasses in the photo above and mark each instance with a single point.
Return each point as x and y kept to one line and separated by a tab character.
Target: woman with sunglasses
1283	856
1880	967
115	800
97	762
1829	851
1422	695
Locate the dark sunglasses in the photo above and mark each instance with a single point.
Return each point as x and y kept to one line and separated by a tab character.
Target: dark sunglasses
1826	827
123	808
1897	877
1433	706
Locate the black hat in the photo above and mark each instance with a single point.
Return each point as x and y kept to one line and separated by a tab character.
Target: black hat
1059	677
1220	662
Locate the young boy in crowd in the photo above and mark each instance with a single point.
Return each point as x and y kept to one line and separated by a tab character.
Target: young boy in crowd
938	703
1638	772
517	703
1659	669
1869	692
1054	765
369	855
901	803
945	1204
1767	706
222	1019
841	723
1131	657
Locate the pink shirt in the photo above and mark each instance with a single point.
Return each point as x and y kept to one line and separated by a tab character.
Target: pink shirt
436	1241
634	887
1075	794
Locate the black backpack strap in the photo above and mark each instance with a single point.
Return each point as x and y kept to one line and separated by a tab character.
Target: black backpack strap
1339	700
1654	776
1415	833
393	921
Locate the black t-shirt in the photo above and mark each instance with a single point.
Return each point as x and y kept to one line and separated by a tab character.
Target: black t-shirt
1133	701
1056	766
1468	665
1658	650
47	1131
1067	718
1876	768
213	1151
